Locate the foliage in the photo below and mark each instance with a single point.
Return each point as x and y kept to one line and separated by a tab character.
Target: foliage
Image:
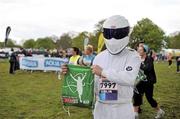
78	41
46	43
64	42
29	43
10	43
174	42
145	30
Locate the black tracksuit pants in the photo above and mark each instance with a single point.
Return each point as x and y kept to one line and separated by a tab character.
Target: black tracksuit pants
178	64
12	67
147	89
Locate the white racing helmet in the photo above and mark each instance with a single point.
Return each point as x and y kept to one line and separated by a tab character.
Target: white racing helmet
115	32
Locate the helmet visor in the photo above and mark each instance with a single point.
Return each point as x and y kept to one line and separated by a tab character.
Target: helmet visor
118	33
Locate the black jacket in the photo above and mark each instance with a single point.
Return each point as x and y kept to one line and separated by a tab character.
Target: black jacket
12	58
148	67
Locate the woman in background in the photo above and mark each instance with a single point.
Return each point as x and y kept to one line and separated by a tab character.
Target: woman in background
75	56
88	57
169	59
146	87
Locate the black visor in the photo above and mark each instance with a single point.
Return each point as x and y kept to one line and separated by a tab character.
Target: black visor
118	33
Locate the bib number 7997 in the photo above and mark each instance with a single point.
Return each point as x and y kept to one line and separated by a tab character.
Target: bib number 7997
107	85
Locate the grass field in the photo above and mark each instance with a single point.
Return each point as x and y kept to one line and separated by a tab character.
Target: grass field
36	95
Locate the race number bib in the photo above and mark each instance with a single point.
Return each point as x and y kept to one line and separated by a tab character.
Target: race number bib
108	91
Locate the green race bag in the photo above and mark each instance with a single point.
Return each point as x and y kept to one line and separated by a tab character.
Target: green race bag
78	87
141	77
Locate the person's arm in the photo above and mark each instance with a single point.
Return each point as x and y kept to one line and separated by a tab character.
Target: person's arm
125	77
64	69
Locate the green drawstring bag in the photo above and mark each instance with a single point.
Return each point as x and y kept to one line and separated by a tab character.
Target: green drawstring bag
141	77
78	87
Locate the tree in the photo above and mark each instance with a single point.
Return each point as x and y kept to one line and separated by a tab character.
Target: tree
99	26
1	44
29	43
93	40
10	43
145	30
64	42
174	42
78	41
46	43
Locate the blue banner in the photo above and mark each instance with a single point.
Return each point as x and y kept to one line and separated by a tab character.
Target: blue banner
29	63
42	63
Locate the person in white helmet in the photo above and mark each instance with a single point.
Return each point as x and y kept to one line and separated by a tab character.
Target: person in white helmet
115	72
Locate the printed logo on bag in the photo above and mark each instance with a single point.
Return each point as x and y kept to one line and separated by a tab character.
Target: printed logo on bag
70	100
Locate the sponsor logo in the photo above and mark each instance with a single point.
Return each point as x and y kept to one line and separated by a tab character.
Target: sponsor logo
129	68
52	63
29	63
70	100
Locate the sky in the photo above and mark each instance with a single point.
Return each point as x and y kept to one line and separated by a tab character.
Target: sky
40	18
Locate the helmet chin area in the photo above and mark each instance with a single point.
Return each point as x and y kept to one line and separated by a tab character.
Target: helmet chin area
115	46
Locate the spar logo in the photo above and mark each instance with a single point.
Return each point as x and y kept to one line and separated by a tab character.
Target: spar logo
52	63
70	100
29	63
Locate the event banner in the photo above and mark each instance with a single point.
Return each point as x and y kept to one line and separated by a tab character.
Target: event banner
78	87
41	63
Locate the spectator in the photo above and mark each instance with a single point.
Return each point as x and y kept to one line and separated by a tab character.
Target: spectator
88	57
29	54
178	63
12	62
47	53
169	59
75	56
23	51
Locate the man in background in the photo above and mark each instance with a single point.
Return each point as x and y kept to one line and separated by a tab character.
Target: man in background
12	61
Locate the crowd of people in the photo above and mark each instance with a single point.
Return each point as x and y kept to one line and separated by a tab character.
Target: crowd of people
74	55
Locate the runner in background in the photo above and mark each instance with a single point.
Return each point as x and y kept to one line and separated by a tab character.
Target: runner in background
146	87
169	59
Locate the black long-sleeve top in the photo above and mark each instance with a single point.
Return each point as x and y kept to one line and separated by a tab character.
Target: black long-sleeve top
148	67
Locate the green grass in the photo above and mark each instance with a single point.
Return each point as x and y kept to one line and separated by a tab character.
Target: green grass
36	95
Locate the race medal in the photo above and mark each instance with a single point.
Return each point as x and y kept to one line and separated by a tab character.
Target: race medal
108	91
